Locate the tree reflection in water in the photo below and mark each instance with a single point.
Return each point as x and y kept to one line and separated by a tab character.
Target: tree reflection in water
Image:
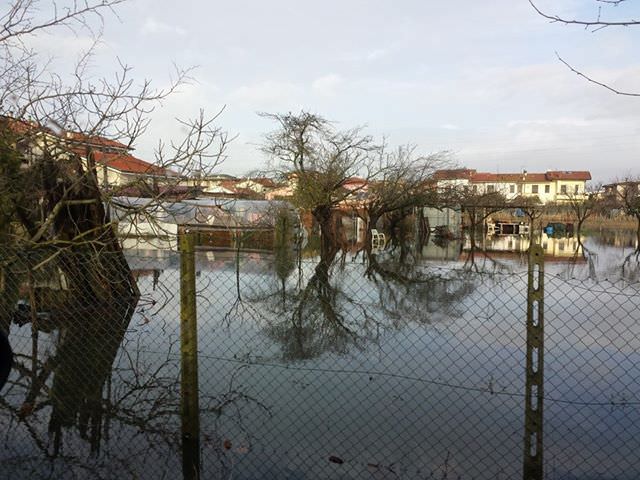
349	306
65	398
626	268
92	400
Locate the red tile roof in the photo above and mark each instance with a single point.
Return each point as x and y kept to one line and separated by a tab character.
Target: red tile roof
130	164
95	141
18	127
22	127
508	177
486	177
145	191
355	180
355	183
264	181
576	175
454	174
230	185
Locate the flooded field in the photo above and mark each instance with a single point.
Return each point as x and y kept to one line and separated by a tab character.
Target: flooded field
409	370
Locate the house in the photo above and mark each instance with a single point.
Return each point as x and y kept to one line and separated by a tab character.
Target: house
121	169
115	165
219	185
548	187
618	190
260	185
284	190
222	185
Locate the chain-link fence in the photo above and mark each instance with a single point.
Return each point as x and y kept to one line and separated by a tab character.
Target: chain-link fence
389	370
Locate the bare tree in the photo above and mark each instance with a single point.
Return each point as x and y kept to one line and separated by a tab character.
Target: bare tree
400	184
626	195
319	160
55	221
478	205
56	129
583	206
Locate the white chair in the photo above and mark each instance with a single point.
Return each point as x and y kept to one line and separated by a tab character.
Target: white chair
378	240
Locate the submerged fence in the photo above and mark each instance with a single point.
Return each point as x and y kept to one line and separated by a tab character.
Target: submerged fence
387	370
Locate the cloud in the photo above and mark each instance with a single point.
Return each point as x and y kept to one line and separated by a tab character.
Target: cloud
267	94
327	85
152	26
449	126
377	53
66	46
551	123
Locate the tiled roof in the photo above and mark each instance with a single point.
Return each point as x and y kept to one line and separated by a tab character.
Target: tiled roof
486	177
22	127
508	177
454	174
95	141
130	164
564	175
145	191
19	127
355	180
355	183
229	185
264	181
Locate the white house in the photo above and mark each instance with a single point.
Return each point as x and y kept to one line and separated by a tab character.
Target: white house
551	186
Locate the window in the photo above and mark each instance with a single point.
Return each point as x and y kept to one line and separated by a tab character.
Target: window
512	189
576	189
475	189
547	188
563	189
491	188
519	188
534	188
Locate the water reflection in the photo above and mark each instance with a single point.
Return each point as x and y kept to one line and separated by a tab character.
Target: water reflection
337	306
101	397
510	246
68	328
624	239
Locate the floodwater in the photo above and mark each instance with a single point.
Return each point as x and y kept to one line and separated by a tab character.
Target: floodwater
412	371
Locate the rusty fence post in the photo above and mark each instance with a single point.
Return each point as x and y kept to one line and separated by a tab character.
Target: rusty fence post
189	404
533	465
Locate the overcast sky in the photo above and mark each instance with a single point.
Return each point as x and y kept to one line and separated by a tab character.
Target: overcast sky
478	78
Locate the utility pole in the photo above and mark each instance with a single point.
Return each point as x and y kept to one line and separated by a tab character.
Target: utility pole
189	404
533	465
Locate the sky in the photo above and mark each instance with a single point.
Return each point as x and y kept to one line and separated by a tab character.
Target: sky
479	79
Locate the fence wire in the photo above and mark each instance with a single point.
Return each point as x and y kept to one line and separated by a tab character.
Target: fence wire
393	370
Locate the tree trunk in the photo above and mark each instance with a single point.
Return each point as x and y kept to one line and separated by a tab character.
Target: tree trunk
328	236
472	229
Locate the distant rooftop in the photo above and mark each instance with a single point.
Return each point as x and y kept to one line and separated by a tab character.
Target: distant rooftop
474	176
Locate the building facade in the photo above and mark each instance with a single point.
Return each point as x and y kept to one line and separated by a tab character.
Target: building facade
549	187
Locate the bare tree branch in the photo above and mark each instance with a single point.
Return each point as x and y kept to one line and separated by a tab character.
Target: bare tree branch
20	18
596	82
598	22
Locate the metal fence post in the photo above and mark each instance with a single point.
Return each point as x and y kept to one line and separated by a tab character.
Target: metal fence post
189	405
533	466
